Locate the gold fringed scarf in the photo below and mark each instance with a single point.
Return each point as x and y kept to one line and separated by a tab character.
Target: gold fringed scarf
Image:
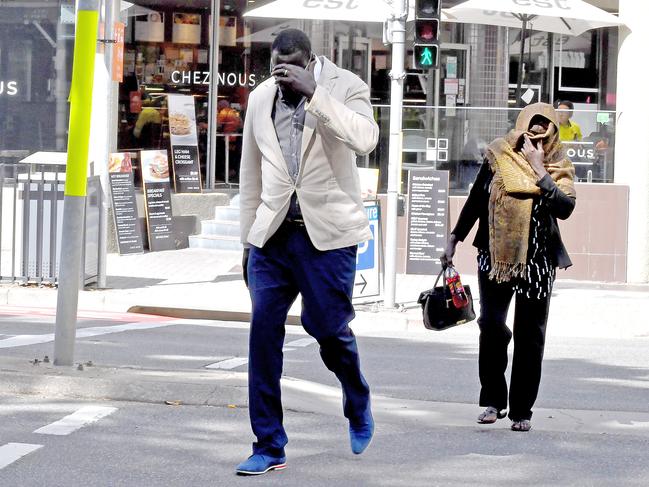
513	187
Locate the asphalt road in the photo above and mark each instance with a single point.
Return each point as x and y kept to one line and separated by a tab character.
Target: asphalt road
425	388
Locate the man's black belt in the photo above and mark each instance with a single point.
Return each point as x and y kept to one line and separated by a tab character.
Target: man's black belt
298	222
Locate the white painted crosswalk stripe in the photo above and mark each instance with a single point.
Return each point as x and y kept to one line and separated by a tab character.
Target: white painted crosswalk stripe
302	342
11	452
77	420
231	363
23	340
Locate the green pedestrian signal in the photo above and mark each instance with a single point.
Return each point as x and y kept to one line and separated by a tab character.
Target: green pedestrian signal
425	56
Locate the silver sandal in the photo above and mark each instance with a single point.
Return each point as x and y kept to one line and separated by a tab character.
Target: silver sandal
523	425
490	415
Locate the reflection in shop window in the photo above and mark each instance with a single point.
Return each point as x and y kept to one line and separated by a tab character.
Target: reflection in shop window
35	68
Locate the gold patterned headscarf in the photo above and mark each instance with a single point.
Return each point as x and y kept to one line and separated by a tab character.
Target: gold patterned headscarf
513	188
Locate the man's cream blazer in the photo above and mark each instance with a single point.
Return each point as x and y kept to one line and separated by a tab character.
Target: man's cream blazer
339	123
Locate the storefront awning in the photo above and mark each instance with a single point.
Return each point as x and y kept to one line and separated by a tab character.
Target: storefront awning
572	17
357	11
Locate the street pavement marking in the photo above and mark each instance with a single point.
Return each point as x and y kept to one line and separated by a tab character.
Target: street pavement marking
11	452
23	340
231	363
83	315
302	342
77	420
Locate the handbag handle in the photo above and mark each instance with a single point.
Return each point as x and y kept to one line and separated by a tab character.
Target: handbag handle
443	271
444	283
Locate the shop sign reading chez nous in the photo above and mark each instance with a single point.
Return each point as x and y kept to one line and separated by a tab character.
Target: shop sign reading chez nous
203	78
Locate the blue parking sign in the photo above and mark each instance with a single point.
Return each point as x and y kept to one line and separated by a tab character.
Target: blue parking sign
365	255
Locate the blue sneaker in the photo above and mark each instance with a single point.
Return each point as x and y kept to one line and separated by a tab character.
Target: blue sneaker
258	464
361	436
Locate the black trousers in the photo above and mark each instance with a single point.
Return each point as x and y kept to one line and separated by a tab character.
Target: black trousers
530	321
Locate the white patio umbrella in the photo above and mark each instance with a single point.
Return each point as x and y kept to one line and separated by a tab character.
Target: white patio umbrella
129	9
572	17
351	11
268	34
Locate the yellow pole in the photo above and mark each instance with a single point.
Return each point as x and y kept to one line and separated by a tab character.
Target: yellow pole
76	176
83	72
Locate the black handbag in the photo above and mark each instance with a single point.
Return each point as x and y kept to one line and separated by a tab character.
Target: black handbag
439	311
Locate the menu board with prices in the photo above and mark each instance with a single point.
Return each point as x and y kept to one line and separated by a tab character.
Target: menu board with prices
427	220
184	143
122	191
157	196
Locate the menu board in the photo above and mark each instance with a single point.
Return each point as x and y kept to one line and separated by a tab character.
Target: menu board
157	196
122	191
427	220
184	143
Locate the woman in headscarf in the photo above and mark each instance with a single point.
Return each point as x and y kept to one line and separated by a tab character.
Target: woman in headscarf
524	185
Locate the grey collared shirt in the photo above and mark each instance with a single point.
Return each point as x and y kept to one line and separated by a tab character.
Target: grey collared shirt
289	127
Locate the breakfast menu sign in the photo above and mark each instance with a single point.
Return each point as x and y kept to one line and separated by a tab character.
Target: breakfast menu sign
157	195
122	192
184	143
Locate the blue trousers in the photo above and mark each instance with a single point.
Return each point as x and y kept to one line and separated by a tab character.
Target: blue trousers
287	265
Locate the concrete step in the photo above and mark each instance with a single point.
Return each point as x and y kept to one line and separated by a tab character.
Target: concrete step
234	202
226	213
220	228
214	242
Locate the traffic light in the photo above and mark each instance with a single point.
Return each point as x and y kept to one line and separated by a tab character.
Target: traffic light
426	47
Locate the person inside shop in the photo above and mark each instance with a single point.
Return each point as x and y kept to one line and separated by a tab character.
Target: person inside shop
302	218
473	154
148	126
228	118
603	140
229	122
569	130
524	185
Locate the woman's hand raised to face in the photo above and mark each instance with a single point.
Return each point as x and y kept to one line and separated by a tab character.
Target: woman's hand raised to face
535	155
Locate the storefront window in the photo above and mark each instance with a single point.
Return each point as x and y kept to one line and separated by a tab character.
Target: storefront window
168	51
36	43
473	100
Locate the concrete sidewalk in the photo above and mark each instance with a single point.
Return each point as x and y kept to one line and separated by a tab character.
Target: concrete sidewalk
200	283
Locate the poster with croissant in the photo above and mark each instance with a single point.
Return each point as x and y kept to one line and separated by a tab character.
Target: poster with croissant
184	143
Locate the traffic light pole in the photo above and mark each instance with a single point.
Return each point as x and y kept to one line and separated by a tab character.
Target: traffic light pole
76	176
397	75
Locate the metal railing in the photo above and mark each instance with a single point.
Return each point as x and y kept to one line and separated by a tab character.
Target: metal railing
31	216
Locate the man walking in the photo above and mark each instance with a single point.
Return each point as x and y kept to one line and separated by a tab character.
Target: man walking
301	220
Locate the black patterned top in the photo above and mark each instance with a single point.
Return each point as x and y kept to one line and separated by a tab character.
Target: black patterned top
540	272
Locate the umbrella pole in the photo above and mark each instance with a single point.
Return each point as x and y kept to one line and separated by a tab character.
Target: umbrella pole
519	81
